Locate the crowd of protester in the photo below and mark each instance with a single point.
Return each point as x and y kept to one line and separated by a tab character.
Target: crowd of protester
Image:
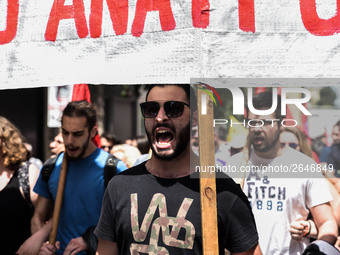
312	218
298	232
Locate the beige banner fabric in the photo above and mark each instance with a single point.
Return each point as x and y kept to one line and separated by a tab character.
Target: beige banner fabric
57	42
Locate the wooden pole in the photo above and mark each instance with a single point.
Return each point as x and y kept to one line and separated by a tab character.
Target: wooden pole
207	179
58	201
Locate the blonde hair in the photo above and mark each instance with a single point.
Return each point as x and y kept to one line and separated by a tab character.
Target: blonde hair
13	151
302	139
126	153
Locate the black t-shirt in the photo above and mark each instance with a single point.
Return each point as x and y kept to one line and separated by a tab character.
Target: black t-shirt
15	215
148	214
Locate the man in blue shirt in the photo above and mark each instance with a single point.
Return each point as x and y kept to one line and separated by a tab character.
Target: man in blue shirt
84	187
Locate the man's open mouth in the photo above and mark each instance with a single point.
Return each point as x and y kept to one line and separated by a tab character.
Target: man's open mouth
258	140
164	138
72	150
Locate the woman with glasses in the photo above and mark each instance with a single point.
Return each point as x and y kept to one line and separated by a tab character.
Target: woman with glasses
294	138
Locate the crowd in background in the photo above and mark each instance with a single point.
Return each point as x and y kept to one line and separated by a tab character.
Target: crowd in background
15	153
327	156
20	170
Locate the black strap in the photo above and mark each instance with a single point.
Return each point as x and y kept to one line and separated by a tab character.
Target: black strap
110	168
91	240
48	167
23	178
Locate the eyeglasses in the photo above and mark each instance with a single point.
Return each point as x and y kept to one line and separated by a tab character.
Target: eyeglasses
109	147
291	145
173	109
259	123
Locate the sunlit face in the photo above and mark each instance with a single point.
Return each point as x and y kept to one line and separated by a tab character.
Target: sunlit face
57	145
288	139
266	137
76	136
168	137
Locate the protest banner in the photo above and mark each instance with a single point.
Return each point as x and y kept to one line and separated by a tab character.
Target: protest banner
58	42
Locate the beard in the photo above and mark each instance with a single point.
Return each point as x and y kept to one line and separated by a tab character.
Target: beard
182	142
270	145
82	152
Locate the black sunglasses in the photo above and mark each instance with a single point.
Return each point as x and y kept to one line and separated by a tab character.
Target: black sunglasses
173	109
104	146
291	145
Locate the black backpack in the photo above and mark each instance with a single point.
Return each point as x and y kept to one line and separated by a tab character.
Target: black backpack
110	168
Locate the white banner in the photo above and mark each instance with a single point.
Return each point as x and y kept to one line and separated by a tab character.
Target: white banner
58	42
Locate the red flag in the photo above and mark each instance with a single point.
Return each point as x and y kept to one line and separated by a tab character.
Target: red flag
82	92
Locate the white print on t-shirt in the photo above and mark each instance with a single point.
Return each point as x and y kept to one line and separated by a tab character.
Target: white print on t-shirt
262	195
168	226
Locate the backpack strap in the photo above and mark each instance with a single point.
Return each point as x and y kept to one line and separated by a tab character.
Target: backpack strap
48	167
23	178
110	168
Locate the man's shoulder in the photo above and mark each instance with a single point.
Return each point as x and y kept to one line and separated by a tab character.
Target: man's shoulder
226	186
129	176
134	171
101	154
99	157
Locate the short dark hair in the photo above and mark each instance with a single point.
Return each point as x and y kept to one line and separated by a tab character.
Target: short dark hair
265	100
81	109
186	87
111	138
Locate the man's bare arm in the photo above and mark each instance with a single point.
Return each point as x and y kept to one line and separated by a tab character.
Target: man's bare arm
250	251
32	245
42	213
106	248
325	222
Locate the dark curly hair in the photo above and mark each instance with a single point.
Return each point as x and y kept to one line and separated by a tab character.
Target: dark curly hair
12	145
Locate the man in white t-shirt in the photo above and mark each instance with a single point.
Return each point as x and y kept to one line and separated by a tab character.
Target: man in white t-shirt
280	188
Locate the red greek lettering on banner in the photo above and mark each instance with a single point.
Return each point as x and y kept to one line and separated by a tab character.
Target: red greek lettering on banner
166	16
200	13
7	35
60	11
119	11
314	24
246	14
